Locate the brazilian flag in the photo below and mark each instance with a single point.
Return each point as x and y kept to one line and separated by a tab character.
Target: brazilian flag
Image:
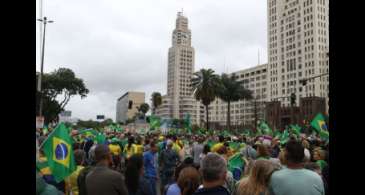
318	123
58	150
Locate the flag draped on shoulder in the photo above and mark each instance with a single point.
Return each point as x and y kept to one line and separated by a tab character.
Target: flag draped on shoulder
235	162
58	150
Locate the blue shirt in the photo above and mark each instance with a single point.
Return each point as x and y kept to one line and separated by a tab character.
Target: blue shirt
173	190
149	164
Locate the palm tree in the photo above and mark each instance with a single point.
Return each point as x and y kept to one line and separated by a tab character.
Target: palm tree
232	90
144	109
156	99
205	84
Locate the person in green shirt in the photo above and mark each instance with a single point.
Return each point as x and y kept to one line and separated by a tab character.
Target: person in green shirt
295	179
319	155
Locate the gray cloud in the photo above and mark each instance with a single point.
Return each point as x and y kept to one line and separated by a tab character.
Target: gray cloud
117	46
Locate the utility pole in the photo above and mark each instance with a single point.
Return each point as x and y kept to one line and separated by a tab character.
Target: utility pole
39	87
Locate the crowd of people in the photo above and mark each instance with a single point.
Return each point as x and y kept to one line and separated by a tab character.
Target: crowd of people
156	164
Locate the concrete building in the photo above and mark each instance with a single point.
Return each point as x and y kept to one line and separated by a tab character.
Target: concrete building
298	45
279	116
127	105
243	111
179	99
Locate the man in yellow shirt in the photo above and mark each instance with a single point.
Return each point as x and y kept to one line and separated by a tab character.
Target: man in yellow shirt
71	181
139	146
219	145
114	147
116	152
130	148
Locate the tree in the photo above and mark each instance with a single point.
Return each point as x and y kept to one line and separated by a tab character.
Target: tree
61	84
205	84
232	90
156	101
143	108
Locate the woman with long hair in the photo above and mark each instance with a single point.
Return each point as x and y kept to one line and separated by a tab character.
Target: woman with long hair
189	180
258	180
262	152
135	182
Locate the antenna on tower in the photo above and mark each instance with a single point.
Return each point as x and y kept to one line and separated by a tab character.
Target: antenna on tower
258	57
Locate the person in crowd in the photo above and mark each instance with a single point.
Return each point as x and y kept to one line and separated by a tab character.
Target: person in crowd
72	180
313	167
139	146
116	152
150	166
275	148
282	159
92	154
130	149
206	150
135	182
102	179
257	181
319	156
197	150
168	160
307	155
218	145
87	145
213	171
146	146
262	152
295	179
188	180
173	188
42	188
248	151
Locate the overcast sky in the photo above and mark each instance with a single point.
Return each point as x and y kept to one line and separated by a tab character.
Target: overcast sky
118	45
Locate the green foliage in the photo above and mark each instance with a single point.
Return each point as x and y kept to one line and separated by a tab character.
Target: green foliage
205	84
156	100
231	90
59	84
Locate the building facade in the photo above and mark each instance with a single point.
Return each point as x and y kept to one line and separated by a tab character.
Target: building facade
179	99
243	112
278	116
127	105
297	49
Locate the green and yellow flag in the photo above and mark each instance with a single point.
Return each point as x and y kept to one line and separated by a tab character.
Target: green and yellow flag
58	150
264	128
296	129
319	124
284	137
235	161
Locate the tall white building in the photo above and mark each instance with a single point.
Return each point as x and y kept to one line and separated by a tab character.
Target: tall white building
297	48
179	99
243	111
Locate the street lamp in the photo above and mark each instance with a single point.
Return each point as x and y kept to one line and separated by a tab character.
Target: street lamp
39	87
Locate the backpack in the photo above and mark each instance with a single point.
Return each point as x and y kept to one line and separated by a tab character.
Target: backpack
81	180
